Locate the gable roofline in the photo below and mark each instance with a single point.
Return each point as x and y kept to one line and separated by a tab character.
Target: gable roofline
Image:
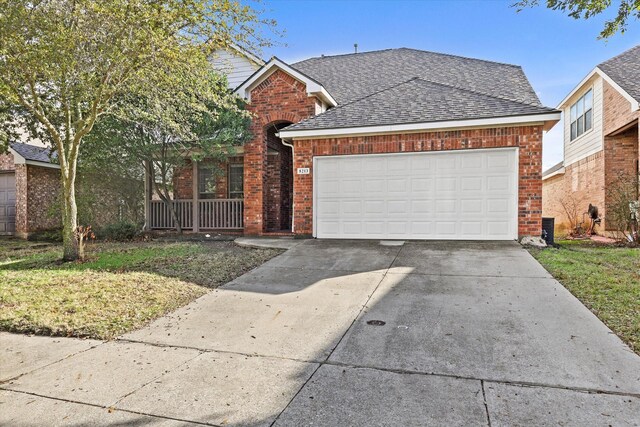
250	56
19	159
635	105
548	120
314	88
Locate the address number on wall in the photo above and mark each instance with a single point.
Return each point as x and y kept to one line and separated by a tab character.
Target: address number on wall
303	171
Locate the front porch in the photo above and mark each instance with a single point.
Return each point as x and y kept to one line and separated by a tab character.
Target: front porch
209	214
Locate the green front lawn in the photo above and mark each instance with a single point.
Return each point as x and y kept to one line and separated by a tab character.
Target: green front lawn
606	279
121	287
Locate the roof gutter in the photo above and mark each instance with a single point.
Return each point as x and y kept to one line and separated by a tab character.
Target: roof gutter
547	120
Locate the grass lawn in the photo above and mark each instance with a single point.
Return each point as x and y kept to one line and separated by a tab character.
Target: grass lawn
606	279
121	287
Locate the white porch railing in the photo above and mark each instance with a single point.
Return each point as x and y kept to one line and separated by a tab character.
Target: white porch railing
213	214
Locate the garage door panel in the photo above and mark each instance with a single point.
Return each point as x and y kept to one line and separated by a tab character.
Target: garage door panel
374	186
350	186
397	185
441	195
446	184
7	203
374	207
473	161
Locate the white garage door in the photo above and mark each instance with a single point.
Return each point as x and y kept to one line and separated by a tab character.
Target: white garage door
7	203
466	195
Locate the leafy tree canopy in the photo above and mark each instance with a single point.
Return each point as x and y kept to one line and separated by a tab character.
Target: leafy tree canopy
65	65
584	9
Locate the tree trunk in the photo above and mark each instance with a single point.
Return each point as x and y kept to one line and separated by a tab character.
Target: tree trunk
71	249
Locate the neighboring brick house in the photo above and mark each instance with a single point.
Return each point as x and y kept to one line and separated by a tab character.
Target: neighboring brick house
398	143
600	141
29	187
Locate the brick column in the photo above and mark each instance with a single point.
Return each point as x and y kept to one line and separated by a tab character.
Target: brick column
255	157
530	181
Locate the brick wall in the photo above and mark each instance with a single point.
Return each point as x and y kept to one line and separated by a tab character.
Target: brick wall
22	228
527	138
581	184
183	180
617	110
622	153
279	98
6	162
621	161
43	191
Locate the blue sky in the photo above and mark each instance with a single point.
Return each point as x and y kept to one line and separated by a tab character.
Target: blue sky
555	51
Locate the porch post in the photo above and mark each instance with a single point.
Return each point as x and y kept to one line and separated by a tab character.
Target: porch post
196	212
147	197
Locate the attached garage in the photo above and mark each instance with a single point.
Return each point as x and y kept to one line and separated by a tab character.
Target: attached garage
7	203
460	194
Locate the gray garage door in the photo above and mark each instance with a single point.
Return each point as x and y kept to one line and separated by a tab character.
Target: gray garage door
7	203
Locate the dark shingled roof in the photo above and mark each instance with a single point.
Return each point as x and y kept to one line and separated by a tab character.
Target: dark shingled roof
624	69
401	86
354	76
417	101
33	153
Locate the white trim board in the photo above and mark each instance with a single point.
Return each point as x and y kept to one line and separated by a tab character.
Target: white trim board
313	88
548	119
635	105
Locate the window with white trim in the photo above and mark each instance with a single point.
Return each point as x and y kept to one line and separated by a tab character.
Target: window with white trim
582	115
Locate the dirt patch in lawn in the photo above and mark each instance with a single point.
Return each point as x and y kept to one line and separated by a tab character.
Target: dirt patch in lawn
121	286
605	278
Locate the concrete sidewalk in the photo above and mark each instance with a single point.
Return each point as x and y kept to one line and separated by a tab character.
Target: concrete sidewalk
345	333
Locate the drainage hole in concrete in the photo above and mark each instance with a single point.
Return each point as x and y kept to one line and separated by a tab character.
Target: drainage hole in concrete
376	322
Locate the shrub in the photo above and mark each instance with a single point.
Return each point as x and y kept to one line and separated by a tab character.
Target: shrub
53	235
119	231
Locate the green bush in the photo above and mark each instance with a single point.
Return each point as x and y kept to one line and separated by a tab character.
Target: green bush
119	231
53	235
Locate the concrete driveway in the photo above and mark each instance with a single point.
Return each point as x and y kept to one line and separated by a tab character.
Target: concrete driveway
345	333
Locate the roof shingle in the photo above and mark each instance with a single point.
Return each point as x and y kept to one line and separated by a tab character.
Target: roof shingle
417	101
34	153
354	76
624	69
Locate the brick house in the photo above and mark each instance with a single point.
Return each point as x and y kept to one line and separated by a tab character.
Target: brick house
29	187
397	143
600	141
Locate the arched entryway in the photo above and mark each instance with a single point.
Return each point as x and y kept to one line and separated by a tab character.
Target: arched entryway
278	181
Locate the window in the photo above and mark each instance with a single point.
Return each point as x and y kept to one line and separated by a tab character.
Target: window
582	115
206	182
236	181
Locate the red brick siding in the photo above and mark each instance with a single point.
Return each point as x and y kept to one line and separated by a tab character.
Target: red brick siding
582	184
43	191
621	159
6	162
280	98
617	110
527	138
21	200
183	180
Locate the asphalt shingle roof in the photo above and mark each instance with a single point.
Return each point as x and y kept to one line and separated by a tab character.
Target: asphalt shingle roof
354	76
624	69
33	152
417	101
398	86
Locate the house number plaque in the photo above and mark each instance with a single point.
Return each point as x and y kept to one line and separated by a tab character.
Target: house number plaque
303	171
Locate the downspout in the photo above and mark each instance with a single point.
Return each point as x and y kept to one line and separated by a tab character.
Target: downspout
293	205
